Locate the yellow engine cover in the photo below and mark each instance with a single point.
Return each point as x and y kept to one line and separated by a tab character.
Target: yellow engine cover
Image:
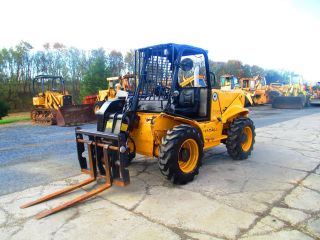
106	94
38	101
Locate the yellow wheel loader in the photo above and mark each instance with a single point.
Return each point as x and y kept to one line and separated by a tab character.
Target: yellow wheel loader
292	95
315	94
173	124
274	90
115	84
257	89
229	82
53	105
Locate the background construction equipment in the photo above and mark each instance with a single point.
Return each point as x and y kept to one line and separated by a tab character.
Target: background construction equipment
229	82
53	105
257	88
315	94
292	95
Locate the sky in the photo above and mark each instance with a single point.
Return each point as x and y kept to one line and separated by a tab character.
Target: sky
273	34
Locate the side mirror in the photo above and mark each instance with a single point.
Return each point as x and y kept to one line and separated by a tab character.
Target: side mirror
186	64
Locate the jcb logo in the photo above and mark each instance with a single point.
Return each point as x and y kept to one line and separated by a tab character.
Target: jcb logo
210	130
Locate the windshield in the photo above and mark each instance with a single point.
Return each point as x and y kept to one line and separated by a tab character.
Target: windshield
229	81
195	74
48	83
252	84
225	81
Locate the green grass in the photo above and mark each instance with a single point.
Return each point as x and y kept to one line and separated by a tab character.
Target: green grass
13	119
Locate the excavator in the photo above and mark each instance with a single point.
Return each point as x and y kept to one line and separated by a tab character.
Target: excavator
173	125
53	105
292	95
257	88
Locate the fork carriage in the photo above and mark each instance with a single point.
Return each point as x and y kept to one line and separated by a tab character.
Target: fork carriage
105	156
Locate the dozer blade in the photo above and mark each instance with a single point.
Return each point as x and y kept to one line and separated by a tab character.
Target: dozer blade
75	114
288	102
315	102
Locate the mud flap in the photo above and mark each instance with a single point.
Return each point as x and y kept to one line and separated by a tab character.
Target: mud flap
289	102
75	114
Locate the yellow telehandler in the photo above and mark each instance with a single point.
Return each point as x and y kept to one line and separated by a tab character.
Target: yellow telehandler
174	124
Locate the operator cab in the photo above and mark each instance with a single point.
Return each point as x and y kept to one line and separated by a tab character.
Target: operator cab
192	88
43	83
174	79
228	82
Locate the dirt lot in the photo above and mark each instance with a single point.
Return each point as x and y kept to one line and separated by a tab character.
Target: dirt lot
275	194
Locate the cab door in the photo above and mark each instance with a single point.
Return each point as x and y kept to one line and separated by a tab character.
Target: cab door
193	85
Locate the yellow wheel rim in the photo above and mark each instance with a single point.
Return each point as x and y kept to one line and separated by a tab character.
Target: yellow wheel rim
188	155
247	142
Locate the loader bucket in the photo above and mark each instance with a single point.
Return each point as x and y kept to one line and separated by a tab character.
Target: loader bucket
75	114
288	102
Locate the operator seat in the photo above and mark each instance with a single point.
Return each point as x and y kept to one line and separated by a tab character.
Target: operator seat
188	102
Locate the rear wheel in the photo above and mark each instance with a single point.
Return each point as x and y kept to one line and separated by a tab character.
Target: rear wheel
240	139
181	153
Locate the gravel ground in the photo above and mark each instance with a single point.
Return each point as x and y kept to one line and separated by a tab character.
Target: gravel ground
31	155
274	194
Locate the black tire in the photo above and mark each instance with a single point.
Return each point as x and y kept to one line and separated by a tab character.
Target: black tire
171	152
237	142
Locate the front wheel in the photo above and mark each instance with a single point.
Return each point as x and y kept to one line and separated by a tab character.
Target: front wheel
181	152
240	139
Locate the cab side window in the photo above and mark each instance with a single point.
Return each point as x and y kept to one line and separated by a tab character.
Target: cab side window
192	72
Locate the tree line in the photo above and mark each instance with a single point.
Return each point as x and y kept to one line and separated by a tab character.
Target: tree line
84	71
